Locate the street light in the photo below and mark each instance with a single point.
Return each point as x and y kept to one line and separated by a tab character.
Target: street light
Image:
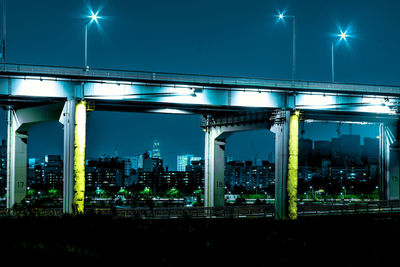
94	17
282	16
343	36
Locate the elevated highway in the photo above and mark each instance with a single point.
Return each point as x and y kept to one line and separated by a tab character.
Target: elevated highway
34	94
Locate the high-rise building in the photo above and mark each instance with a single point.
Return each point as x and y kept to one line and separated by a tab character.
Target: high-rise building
370	150
346	149
156	153
104	173
182	161
130	163
244	173
53	171
305	152
323	149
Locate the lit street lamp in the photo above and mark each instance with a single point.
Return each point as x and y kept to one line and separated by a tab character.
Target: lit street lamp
282	16
343	36
93	17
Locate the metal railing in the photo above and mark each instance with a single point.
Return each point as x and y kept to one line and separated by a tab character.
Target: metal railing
228	81
227	212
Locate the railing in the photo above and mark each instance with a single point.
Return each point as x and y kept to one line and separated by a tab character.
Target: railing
232	120
335	208
248	211
158	77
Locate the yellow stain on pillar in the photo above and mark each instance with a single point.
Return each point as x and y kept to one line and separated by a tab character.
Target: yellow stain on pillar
293	165
79	157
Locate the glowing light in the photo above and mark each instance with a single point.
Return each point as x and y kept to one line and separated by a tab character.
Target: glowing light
343	35
170	111
94	16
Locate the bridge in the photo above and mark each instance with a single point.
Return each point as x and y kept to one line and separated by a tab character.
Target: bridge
35	94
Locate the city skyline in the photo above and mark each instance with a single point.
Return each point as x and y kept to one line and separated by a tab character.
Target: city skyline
46	138
253	155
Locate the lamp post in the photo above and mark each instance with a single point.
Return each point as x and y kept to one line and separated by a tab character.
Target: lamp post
93	17
343	36
282	16
4	32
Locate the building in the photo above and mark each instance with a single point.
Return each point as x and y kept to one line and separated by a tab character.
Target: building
156	153
183	161
305	152
3	164
249	176
53	171
130	164
104	173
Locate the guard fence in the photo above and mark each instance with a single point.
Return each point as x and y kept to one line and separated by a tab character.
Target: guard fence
247	211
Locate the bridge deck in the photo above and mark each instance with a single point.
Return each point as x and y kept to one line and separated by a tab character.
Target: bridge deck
12	70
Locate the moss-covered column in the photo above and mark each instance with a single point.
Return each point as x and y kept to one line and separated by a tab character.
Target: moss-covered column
293	165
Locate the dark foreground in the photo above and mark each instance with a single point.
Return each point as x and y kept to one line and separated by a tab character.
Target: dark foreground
314	241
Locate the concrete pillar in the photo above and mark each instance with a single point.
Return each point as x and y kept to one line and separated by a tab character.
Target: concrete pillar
214	167
19	121
389	156
217	132
281	130
73	117
293	165
286	129
394	172
16	161
68	120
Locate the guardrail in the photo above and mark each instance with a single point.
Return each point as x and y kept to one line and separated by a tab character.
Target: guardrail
248	211
240	82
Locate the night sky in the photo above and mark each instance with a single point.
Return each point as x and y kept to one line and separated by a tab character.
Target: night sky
236	38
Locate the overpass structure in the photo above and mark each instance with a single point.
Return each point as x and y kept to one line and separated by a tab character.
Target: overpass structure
34	94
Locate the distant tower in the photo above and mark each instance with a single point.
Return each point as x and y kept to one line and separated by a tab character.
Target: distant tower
156	149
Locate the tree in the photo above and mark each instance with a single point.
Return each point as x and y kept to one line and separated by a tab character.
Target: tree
172	192
146	192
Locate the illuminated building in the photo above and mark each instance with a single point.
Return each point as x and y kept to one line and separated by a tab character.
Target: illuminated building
183	161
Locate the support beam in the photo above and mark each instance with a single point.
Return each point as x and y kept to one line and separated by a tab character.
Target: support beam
286	129
18	124
73	118
281	130
214	185
293	165
217	131
389	155
16	161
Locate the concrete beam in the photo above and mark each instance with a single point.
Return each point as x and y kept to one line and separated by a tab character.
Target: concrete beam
73	118
281	131
389	156
18	124
215	141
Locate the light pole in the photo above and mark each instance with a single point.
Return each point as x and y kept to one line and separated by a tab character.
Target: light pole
4	32
282	16
343	36
94	17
